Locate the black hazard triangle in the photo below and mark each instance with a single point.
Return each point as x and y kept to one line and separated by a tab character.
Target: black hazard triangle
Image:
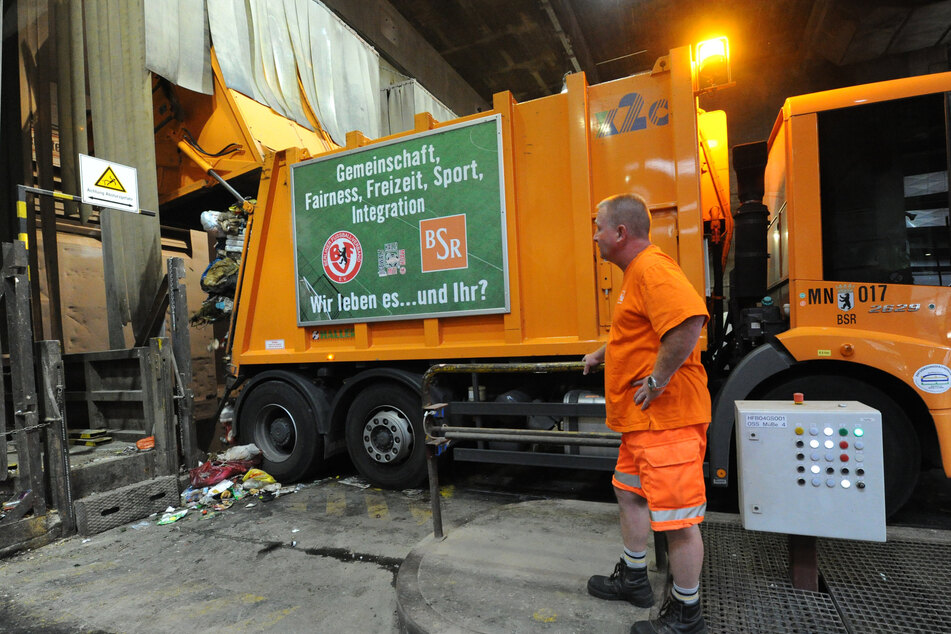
109	180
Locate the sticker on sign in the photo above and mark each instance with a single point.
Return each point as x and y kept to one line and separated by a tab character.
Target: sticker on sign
108	184
766	420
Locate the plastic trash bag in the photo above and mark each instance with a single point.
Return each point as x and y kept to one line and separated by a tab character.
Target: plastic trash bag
212	472
240	452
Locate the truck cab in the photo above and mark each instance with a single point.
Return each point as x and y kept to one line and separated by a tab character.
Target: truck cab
856	186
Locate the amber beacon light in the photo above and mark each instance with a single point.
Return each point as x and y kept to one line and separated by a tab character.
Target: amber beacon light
713	64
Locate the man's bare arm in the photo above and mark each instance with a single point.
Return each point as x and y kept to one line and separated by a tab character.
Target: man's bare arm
675	346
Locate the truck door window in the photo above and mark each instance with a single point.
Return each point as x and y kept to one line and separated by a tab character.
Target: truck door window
884	191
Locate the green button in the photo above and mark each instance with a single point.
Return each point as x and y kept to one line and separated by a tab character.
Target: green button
859	432
843	431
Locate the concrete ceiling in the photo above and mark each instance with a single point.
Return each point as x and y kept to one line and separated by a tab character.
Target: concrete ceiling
527	46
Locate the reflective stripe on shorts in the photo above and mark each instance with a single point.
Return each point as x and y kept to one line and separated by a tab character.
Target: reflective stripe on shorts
678	514
628	479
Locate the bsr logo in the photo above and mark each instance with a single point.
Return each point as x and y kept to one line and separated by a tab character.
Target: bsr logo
443	243
630	115
445	250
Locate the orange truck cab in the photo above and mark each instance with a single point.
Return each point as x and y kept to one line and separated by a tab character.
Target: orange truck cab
856	187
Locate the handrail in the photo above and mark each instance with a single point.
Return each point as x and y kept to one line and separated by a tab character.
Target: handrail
438	436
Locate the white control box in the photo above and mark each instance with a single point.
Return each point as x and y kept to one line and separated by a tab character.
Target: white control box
813	468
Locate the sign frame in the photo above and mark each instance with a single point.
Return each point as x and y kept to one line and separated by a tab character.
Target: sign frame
505	304
93	169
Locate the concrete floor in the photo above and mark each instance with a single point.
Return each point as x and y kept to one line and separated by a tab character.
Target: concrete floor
322	559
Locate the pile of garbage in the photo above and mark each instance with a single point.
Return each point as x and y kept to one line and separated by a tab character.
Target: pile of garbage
221	277
222	481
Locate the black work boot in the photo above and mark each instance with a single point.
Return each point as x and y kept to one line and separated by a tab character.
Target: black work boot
624	584
675	617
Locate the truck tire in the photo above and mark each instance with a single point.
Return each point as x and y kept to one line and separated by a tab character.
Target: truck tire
902	452
276	417
385	437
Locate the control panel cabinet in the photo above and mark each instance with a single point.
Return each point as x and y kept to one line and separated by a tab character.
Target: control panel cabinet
811	468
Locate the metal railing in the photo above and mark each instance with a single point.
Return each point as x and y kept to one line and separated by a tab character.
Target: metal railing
440	435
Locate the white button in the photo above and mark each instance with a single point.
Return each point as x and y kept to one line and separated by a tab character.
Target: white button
814	443
815	468
813	431
846	484
859	444
829	444
815	456
816	482
859	458
827	431
830	457
830	483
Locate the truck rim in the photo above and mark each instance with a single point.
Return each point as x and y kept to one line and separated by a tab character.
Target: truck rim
388	436
276	432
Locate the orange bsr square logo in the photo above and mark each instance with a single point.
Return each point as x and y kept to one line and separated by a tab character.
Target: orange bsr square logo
442	243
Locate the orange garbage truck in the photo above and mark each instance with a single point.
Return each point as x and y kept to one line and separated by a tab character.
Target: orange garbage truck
470	242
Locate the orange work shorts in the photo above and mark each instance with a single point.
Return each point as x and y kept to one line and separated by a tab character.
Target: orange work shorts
666	468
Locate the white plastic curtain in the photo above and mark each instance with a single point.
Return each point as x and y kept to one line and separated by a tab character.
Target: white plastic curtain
177	41
263	46
272	42
402	101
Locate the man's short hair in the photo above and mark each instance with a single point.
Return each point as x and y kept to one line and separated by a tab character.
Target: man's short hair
629	210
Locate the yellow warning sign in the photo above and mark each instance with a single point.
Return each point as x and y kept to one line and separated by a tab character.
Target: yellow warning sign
109	180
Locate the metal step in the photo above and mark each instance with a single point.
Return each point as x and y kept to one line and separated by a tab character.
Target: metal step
102	511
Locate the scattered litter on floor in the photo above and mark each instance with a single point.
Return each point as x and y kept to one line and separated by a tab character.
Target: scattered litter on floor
355	481
170	517
217	484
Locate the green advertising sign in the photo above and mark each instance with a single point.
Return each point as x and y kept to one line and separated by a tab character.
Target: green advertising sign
406	229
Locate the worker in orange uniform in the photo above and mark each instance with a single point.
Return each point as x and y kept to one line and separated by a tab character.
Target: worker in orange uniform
656	396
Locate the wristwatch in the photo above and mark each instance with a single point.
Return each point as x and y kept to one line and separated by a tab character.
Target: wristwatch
652	384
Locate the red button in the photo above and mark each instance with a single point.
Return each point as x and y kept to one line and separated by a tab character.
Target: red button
844	457
844	445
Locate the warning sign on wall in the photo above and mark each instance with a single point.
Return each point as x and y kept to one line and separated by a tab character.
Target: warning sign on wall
108	184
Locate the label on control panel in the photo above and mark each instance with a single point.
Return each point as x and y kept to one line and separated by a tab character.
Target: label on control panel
766	420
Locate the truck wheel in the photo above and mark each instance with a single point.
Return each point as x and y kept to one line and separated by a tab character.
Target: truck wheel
385	437
277	418
901	451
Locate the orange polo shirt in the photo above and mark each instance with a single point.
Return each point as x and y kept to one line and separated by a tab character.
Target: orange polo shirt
655	297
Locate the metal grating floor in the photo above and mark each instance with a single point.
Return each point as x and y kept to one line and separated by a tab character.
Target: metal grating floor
897	586
745	586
